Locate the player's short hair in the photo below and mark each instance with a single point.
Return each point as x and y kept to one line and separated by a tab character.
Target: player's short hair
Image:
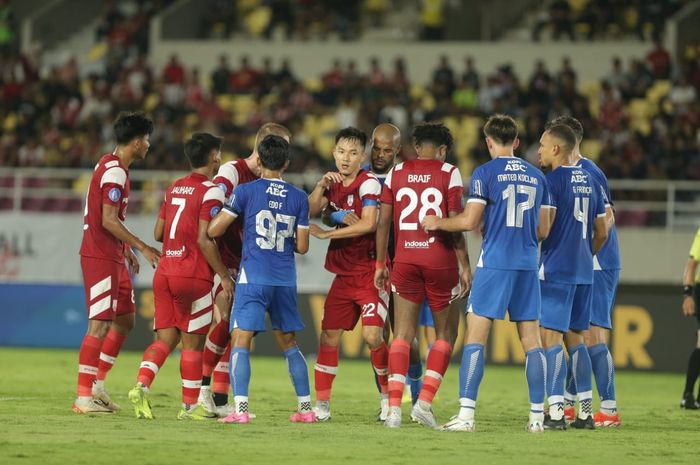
434	132
501	128
130	126
569	121
199	146
274	152
273	129
351	133
565	135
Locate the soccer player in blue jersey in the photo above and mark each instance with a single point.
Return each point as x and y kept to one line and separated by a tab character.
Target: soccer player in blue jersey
275	225
606	274
566	272
510	196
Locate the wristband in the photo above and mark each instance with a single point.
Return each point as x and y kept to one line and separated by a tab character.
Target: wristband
337	217
688	291
379	265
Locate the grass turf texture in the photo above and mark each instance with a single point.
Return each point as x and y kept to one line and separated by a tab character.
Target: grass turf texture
37	425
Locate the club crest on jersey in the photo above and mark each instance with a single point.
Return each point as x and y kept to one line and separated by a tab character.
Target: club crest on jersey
114	194
214	211
222	186
351	199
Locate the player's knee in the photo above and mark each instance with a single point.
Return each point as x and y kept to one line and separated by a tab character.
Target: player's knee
98	329
372	336
330	338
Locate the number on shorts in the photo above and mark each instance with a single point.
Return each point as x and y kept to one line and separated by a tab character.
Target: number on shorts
430	201
267	226
368	310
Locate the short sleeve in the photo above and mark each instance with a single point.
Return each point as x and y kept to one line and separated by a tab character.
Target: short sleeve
211	204
455	192
552	191
227	178
387	195
236	202
478	187
695	248
600	200
547	201
370	190
303	216
112	185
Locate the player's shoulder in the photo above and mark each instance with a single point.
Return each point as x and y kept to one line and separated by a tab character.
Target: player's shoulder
212	192
296	191
111	170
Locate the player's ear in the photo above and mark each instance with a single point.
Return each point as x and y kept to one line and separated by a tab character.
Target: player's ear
286	165
516	143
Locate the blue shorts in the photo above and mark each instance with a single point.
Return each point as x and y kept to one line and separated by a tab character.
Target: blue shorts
496	291
604	287
251	301
565	306
425	318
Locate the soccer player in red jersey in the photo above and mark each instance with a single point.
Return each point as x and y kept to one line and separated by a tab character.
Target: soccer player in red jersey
182	285
105	247
425	264
215	379
353	194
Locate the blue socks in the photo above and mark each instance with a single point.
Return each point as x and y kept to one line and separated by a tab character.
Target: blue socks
299	374
570	391
536	374
556	373
415	380
239	372
583	377
604	370
471	371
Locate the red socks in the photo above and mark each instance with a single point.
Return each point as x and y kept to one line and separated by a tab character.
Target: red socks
435	368
88	360
153	358
220	380
110	349
191	374
217	342
325	370
380	363
398	367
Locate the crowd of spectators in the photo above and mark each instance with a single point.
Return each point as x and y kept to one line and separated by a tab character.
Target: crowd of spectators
604	19
63	120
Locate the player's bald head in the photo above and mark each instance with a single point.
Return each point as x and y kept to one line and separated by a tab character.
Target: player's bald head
387	132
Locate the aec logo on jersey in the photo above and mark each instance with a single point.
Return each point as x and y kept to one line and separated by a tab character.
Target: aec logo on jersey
222	186
114	194
214	211
351	200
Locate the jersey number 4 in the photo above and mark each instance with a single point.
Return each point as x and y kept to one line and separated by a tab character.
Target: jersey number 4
430	201
273	229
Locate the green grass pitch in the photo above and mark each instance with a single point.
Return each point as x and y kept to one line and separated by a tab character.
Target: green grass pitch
37	425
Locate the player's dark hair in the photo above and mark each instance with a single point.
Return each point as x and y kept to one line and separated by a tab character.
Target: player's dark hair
565	135
569	121
501	128
274	152
130	126
351	133
199	147
434	132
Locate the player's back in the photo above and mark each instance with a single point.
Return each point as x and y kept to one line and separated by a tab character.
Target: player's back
608	258
109	184
187	201
354	255
513	191
232	174
567	254
418	188
271	210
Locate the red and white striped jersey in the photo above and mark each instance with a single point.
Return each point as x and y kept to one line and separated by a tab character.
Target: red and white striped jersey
109	185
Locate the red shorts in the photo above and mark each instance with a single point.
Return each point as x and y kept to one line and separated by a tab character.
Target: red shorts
351	298
415	283
182	303
108	290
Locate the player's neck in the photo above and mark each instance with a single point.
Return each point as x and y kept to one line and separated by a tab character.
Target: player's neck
205	171
126	156
271	174
502	153
349	179
563	161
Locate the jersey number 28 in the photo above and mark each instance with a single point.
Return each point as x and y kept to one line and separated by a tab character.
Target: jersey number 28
430	201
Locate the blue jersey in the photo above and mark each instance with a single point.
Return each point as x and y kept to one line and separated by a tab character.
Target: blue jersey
513	191
608	258
271	210
567	254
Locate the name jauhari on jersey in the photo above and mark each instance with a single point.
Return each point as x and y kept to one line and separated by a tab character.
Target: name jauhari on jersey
183	190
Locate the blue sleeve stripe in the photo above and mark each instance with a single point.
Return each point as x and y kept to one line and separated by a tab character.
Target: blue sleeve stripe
369	203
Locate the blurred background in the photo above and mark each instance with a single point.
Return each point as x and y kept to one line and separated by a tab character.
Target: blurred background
628	70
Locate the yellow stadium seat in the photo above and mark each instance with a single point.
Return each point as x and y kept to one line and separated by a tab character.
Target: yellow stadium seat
151	102
241	107
325	141
81	184
257	21
640	108
659	90
417	91
590	148
225	102
313	85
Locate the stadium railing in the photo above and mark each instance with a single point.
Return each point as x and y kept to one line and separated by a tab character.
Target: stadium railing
673	205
